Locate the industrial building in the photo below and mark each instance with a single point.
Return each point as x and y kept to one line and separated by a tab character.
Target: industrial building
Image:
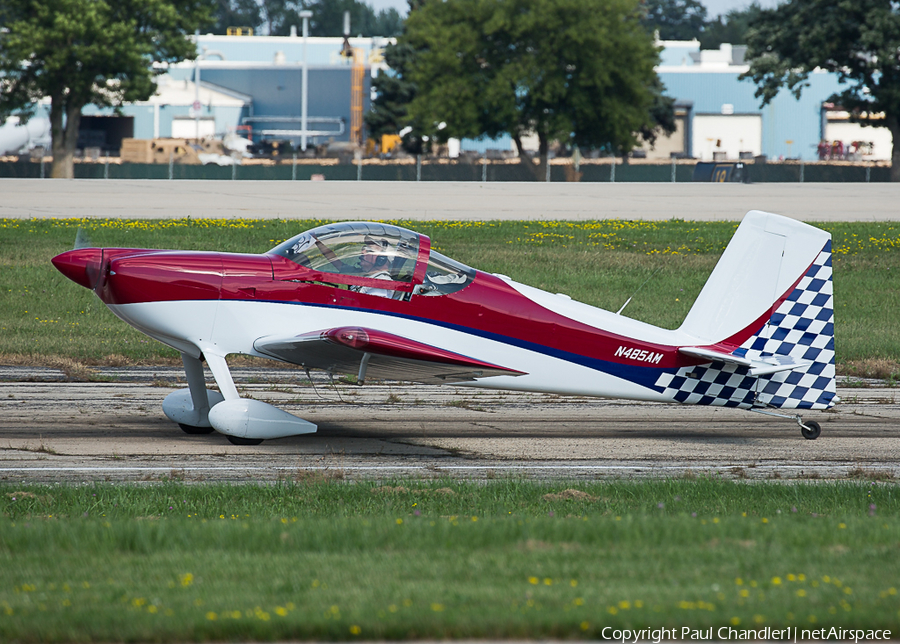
250	84
254	84
720	118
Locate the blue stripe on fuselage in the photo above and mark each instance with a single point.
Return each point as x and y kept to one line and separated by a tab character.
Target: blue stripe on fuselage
640	375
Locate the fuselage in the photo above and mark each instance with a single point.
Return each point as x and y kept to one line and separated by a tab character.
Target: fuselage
374	300
222	302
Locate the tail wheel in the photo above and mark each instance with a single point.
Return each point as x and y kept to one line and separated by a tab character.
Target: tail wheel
810	430
237	440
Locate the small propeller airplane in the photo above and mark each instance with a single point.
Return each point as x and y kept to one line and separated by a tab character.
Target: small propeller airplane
375	301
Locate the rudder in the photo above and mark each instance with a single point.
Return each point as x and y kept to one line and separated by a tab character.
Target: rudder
770	299
802	327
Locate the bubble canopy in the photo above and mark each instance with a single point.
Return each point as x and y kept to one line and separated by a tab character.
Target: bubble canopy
384	252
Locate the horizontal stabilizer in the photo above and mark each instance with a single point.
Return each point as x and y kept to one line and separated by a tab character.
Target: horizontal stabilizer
760	367
370	353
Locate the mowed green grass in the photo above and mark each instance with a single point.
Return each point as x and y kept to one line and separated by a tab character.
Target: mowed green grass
662	264
328	559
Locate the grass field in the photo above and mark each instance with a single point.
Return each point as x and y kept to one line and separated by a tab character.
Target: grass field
326	559
46	319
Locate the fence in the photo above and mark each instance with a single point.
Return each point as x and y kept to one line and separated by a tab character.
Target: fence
442	171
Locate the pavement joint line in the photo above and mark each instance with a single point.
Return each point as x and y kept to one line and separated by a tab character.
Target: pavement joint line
365	468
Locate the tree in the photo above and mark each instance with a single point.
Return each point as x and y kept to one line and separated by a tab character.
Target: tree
276	17
237	13
662	114
576	71
388	23
675	19
394	92
279	15
81	52
328	18
856	40
731	28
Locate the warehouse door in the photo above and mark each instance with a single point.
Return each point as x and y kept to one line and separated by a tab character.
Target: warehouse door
104	133
720	137
853	141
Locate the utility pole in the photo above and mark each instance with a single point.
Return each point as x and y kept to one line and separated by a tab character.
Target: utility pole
197	105
306	14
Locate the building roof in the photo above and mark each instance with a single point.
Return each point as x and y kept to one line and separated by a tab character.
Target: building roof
686	56
287	49
184	92
677	53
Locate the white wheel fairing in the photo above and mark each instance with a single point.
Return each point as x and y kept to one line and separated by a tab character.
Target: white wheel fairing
254	419
178	407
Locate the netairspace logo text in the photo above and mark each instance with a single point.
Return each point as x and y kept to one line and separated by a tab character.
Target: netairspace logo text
790	634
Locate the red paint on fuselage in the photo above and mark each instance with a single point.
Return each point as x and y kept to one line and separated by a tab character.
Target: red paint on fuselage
489	305
88	266
242	275
163	276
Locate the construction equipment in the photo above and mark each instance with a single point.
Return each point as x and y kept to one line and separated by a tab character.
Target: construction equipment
358	60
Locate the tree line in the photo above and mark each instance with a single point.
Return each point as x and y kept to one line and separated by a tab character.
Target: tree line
689	20
276	17
670	19
576	72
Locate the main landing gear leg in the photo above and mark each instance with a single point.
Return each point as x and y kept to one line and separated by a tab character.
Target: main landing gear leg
193	370
220	372
810	429
190	407
246	421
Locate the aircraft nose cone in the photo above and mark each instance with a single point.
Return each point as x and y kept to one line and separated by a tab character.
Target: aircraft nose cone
82	265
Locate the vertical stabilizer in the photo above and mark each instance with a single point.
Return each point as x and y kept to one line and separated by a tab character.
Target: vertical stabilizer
769	300
764	259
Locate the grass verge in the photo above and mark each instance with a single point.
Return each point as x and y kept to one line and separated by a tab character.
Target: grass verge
322	559
664	264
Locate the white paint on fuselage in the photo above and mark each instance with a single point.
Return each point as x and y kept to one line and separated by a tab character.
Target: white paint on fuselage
182	328
237	324
606	320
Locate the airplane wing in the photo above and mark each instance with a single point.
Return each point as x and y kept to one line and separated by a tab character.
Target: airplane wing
761	367
369	353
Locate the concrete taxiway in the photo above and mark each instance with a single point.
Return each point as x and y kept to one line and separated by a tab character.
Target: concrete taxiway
368	200
52	430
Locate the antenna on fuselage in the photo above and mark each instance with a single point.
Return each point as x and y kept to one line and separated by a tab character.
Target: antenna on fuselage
619	312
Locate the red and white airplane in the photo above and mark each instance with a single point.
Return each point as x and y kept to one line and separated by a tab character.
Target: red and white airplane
375	301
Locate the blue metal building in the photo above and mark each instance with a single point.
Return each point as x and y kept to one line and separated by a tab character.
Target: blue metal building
244	80
256	80
725	107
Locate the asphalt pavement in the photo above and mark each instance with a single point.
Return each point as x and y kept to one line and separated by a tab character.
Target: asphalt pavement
114	429
377	200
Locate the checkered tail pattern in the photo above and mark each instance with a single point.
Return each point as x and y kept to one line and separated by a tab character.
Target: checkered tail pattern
802	327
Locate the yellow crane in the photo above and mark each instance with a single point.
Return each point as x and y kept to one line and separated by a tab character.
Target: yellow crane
357	58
